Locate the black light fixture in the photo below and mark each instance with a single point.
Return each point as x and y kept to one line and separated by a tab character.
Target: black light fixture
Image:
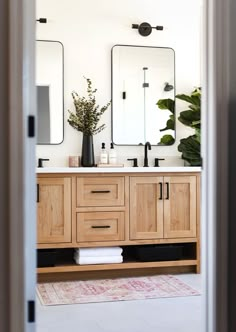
145	28
168	87
42	20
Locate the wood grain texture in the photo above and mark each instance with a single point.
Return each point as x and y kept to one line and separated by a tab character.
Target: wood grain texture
180	215
89	223
120	266
100	208
73	212
133	211
127	209
117	243
104	274
54	210
100	191
146	208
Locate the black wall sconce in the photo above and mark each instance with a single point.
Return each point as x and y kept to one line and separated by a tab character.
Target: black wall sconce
168	87
145	28
42	20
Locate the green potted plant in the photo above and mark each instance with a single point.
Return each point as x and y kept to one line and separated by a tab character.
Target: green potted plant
86	120
191	145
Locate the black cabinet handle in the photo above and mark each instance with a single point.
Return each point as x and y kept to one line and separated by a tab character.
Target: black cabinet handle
160	183
168	190
105	226
100	191
37	193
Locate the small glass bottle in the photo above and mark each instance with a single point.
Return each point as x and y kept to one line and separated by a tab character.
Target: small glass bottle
103	155
112	155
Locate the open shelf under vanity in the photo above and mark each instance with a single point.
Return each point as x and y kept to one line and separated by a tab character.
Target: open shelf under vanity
64	262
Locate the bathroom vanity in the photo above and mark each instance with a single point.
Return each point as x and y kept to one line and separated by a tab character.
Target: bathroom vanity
127	207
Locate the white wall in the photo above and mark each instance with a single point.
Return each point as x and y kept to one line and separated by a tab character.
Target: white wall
88	29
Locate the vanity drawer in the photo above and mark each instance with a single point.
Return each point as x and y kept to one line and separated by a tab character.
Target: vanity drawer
100	226
102	191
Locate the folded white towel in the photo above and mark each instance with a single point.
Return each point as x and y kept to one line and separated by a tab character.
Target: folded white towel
100	251
98	260
77	256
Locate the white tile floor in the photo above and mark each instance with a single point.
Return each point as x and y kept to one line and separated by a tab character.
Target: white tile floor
179	314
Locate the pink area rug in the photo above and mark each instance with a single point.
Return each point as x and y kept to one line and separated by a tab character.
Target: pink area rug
122	289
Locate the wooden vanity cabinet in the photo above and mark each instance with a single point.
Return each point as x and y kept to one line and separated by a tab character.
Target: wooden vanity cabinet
116	209
54	210
163	207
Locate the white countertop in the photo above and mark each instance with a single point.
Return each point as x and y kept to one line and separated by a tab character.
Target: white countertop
117	170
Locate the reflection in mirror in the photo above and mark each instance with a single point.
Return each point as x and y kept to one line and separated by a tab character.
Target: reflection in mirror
50	92
140	77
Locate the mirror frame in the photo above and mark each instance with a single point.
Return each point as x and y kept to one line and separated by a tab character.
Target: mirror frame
63	90
144	46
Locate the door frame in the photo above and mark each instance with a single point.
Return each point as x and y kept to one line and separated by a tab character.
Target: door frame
21	211
215	187
22	202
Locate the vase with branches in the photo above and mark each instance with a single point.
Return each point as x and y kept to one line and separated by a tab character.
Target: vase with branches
86	120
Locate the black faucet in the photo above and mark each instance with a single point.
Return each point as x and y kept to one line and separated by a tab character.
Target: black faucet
40	162
147	147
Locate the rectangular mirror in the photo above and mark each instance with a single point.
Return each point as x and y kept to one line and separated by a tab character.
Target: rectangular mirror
140	77
50	91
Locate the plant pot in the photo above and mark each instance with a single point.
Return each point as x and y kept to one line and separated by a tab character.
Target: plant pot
87	155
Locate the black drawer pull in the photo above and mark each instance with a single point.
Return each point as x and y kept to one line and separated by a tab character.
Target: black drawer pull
160	183
100	191
105	226
37	193
168	190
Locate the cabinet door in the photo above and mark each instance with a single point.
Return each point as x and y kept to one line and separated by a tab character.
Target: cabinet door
180	204
146	208
54	210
